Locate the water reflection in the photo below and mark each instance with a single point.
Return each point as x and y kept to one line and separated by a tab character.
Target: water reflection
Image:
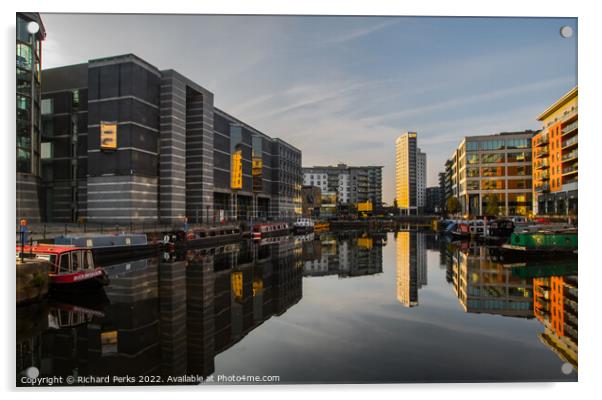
186	314
163	317
411	266
547	291
349	254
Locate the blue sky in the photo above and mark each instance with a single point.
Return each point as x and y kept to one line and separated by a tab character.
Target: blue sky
343	88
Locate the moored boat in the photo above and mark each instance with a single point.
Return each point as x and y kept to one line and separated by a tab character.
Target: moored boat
268	229
111	247
303	225
498	230
210	236
543	243
71	267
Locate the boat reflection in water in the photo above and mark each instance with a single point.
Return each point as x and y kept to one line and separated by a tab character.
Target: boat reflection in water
547	291
162	317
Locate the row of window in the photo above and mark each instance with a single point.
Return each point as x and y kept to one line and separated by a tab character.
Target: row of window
498	144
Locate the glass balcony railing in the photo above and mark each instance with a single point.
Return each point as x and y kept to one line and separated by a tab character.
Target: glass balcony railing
543	139
569	170
570	142
569	128
570	156
542	151
542	164
543	188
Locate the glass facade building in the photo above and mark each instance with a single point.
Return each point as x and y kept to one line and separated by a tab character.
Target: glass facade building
492	174
28	83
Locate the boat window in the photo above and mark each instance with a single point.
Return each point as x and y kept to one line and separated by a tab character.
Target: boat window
64	267
75	264
88	261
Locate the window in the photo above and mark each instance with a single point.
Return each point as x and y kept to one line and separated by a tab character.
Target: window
64	266
492	184
47	106
521	170
492	158
472	158
75	98
24	56
519	157
75	260
46	150
492	171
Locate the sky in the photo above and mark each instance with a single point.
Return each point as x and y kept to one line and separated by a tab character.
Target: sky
342	89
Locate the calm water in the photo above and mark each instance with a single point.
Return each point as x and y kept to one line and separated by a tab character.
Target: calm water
404	307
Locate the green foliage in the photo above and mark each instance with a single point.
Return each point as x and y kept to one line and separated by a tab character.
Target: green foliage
493	205
453	205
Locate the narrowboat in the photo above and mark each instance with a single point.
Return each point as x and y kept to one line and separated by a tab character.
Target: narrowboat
268	229
543	243
71	267
498	230
112	247
206	236
303	226
460	230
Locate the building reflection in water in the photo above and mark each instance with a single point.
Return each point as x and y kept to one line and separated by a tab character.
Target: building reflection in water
346	254
484	286
547	291
410	260
555	306
165	317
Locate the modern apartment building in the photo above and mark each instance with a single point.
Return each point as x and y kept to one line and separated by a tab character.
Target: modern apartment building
410	174
30	34
555	170
349	184
433	202
123	141
492	172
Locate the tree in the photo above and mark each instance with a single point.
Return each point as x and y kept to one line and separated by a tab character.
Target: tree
493	205
453	205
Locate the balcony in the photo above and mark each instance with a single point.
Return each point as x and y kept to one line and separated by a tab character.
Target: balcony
543	188
568	157
570	142
542	164
543	139
542	151
545	176
569	128
569	115
569	170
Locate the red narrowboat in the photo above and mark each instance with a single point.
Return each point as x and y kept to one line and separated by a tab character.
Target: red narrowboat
72	267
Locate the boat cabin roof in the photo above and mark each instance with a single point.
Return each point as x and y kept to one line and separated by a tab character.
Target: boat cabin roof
49	249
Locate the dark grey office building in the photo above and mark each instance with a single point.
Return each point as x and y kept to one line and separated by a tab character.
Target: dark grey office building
165	152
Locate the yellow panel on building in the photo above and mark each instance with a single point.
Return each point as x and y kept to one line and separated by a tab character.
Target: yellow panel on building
365	206
236	170
108	135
